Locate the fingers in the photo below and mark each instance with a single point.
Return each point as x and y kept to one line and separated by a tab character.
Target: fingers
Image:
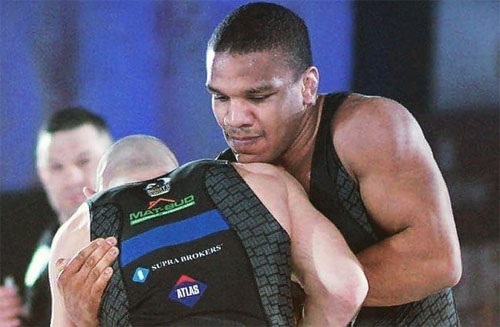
61	263
90	255
9	313
88	264
84	278
7	292
10	307
14	322
98	287
101	271
9	297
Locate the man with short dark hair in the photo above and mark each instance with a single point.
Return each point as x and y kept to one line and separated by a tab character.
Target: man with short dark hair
69	146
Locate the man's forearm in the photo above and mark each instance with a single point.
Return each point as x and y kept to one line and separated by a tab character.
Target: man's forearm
399	273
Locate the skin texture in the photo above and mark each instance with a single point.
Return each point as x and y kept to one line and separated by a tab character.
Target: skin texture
258	106
322	262
66	162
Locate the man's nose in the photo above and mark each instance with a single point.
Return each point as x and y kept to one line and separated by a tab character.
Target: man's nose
238	114
74	175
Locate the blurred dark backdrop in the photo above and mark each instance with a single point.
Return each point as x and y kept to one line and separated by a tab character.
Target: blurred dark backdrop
141	65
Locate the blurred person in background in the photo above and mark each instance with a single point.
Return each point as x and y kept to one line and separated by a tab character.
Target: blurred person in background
69	147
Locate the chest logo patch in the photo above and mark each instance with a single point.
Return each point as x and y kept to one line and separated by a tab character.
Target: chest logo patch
161	186
140	275
187	291
161	207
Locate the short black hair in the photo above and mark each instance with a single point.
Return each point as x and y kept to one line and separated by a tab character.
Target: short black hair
263	26
72	117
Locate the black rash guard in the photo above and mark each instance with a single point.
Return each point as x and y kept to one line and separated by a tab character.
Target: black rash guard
197	247
337	196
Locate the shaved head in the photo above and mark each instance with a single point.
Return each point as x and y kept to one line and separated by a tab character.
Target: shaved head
134	158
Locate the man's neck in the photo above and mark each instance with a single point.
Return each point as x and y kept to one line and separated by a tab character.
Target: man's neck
297	158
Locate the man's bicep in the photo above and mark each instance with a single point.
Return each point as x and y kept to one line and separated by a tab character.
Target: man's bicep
409	194
399	181
59	316
68	240
405	195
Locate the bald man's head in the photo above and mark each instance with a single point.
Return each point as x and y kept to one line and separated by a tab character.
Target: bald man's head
134	158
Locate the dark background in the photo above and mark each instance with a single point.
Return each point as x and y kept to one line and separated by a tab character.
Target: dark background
141	65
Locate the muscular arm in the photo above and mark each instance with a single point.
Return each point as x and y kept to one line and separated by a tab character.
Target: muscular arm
322	262
77	284
329	272
405	193
68	240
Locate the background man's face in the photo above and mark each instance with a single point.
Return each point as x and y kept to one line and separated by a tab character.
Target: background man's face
66	162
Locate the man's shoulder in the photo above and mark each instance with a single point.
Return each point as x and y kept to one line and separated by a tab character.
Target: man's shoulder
368	129
357	102
259	168
370	114
72	235
269	176
76	223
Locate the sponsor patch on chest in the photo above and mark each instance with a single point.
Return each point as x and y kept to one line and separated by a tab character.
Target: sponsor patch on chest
187	291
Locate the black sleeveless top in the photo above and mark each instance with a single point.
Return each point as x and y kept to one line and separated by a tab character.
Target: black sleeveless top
197	247
337	196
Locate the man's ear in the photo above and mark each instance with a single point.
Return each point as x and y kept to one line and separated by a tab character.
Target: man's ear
310	84
88	192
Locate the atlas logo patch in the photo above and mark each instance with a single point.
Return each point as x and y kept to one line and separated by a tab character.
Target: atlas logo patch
161	186
187	291
140	275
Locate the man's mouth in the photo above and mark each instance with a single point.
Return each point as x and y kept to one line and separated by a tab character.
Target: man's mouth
240	143
75	197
